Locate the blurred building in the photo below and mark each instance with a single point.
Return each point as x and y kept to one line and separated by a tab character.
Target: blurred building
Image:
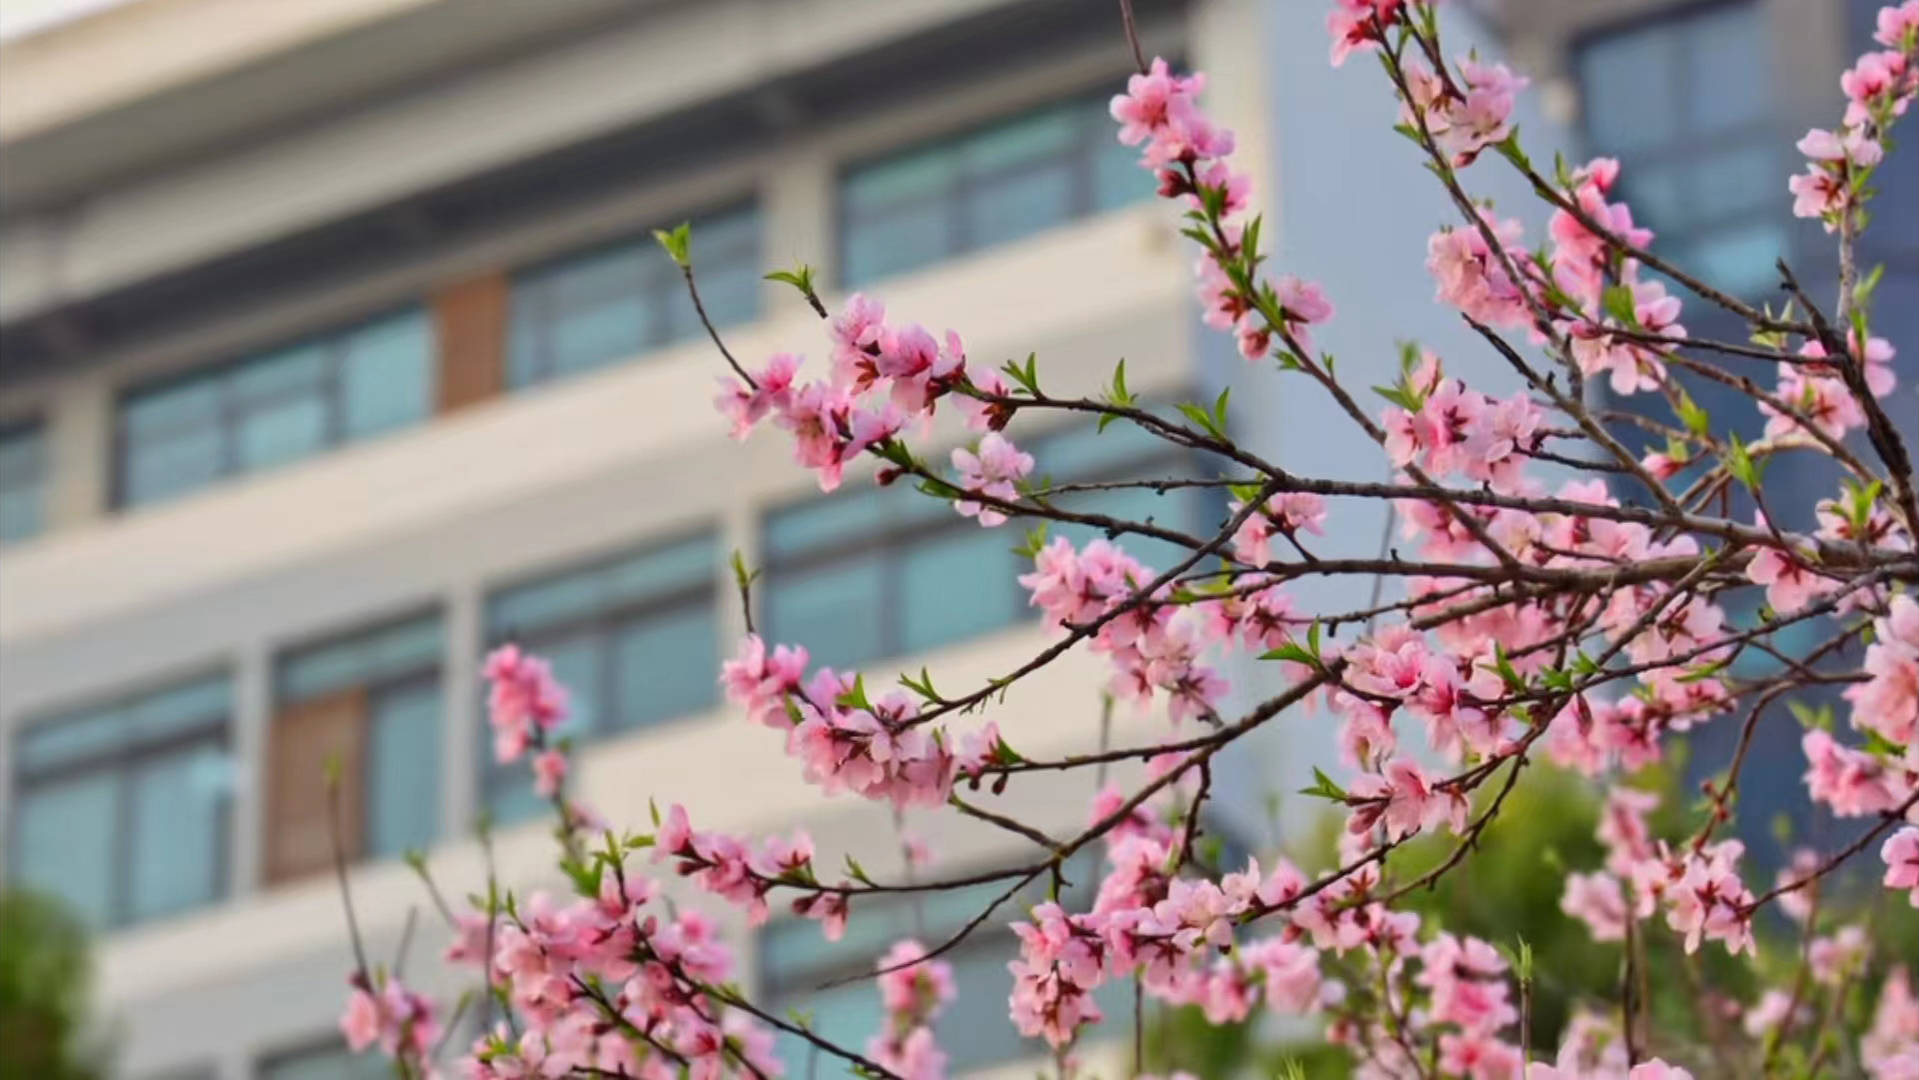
337	350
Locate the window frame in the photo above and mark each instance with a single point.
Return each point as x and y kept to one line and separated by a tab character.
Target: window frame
31	429
600	626
121	762
956	197
1763	133
892	542
657	301
418	676
229	413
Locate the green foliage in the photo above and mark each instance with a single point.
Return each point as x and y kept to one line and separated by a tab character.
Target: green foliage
45	987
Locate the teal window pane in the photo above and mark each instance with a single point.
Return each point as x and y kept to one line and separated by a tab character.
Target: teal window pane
916	176
846	515
594	336
956	585
612	304
527	608
844	1015
991	185
666	666
1742	258
280	433
403	770
386	375
293	373
1631	88
1013	205
1735	179
896	240
63	843
170	711
178	803
329	1064
172	408
834	611
71	738
165	467
1039	137
661	571
1118	179
1731	59
22	482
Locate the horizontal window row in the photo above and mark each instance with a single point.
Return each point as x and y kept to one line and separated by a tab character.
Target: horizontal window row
123	809
984	186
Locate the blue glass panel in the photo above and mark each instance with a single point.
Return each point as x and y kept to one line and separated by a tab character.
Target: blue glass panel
830	610
1740	258
845	515
956	585
915	176
276	434
289	373
665	666
1046	135
386	375
22	483
178	809
1630	88
63	836
161	467
330	1064
1732	67
903	238
595	336
403	770
1017	204
186	404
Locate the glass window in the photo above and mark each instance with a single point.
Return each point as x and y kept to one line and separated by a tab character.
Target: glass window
612	303
1684	101
122	811
275	408
327	1063
795	959
23	481
986	186
390	678
634	639
869	572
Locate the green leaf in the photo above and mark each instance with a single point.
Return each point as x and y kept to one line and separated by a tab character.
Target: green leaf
678	242
1324	788
1035	542
1739	463
1697	420
741	576
800	277
856	697
1619	304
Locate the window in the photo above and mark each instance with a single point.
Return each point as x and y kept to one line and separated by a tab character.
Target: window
275	408
634	639
23	481
330	1062
121	810
1684	101
795	960
875	572
371	701
612	303
986	186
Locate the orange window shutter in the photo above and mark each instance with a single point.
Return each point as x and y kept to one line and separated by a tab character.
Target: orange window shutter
305	737
469	322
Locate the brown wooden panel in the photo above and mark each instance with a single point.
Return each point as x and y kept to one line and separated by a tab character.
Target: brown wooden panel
469	320
305	737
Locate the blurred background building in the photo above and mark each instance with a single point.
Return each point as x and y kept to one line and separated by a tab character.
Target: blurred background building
337	350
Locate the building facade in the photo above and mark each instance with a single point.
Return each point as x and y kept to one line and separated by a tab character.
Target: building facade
337	350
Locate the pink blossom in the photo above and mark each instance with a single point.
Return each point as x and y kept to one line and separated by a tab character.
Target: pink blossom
993	470
1901	855
549	772
1888	702
773	389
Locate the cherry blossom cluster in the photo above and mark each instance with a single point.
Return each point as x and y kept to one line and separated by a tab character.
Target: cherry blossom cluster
1188	153
1880	86
523	701
402	1023
914	990
1153	643
727	867
880	750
